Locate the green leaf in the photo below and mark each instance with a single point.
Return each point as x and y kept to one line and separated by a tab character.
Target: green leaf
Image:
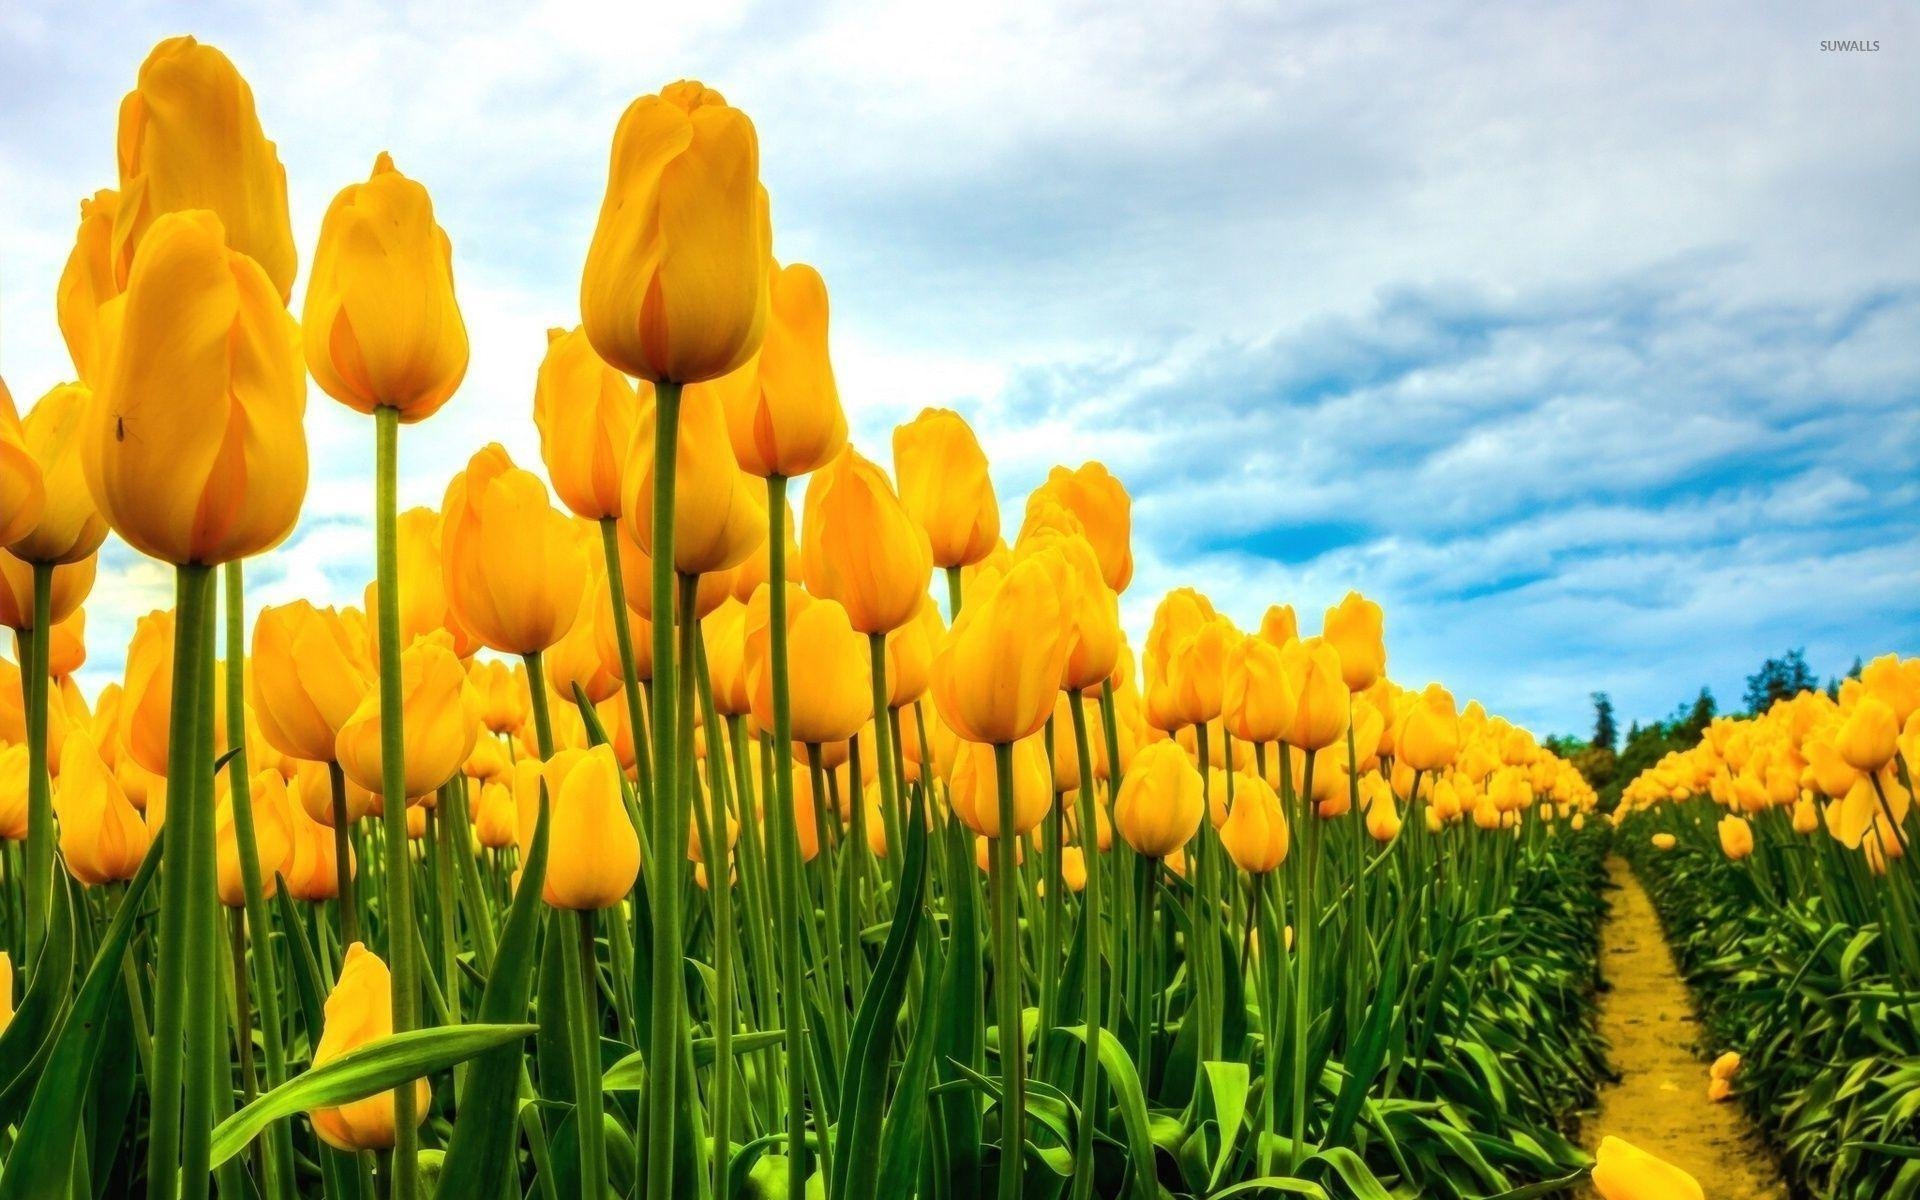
28	1038
42	1157
1133	1108
1545	1187
630	1073
376	1067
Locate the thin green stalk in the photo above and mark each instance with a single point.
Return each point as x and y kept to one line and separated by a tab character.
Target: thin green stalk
1006	985
583	1020
623	636
1090	913
792	976
953	593
663	1058
393	786
1304	919
720	895
34	671
343	857
207	1059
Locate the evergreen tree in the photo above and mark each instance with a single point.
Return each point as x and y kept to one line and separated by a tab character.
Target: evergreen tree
1606	732
1779	679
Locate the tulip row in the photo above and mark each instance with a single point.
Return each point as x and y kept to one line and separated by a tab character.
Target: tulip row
1776	853
639	847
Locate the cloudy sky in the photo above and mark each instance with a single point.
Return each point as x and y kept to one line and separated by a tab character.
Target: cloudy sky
1586	337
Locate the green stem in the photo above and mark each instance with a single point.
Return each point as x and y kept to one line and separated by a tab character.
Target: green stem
399	881
623	635
582	993
720	894
34	671
1006	984
953	593
792	974
663	1060
343	857
1303	923
1090	914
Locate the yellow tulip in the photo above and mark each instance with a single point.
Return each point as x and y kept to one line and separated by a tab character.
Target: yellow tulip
189	138
1176	620
514	567
1090	609
13	792
975	789
381	325
718	514
586	412
440	718
69	528
910	650
997	669
71	584
1257	700
675	286
1320	714
504	699
594	854
858	545
1278	625
1736	837
1622	1171
588	655
359	1011
312	871
146	699
67	644
1354	628
1428	735
194	445
1161	801
90	281
309	675
1868	736
944	485
1726	1066
831	694
272	838
636	576
1105	510
1255	833
494	815
1664	841
783	408
102	836
23	493
724	632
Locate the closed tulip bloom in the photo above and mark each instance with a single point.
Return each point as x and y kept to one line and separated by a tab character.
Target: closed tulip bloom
502	688
1255	832
1354	628
67	645
1257	700
718	514
423	588
146	698
359	1011
23	493
1320	714
1106	514
910	651
1862	809
440	717
581	657
1664	841
1073	868
494	814
636	576
675	286
381	326
90	281
1279	625
858	545
514	567
1091	610
724	631
1622	1171
194	445
1896	683
944	485
1736	837
1383	819
1868	736
1428	736
312	872
189	138
783	408
102	837
1161	801
1726	1066
309	675
1198	670
1806	818
1176	620
272	839
71	584
997	669
586	412
976	792
831	692
13	792
70	528
595	853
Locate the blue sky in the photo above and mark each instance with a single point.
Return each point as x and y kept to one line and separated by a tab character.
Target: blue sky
1586	337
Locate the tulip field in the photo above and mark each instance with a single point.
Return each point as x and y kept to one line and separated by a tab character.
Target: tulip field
714	810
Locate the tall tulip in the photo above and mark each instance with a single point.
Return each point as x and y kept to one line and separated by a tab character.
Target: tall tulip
945	486
513	565
1354	628
359	1011
23	493
1105	510
102	836
89	283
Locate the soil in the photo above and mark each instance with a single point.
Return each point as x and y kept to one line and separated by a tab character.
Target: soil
1660	1103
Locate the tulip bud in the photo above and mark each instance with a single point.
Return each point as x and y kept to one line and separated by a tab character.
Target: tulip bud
586	412
309	675
1806	818
189	138
976	788
1354	629
1257	701
1073	868
675	285
944	485
1090	609
1736	837
718	514
1278	625
272	839
783	408
69	527
494	814
1868	737
1428	735
1313	668
588	655
595	853
1664	841
513	566
89	282
1105	510
1161	800
996	671
910	650
440	718
1624	1172
146	700
101	835
1725	1066
831	693
23	493
194	445
502	689
71	584
859	546
1179	617
359	1011
1255	833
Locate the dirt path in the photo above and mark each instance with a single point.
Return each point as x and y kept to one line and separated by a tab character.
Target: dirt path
1660	1103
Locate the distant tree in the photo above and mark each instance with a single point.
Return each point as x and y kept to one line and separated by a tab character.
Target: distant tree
1853	672
1692	721
1777	679
1606	732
